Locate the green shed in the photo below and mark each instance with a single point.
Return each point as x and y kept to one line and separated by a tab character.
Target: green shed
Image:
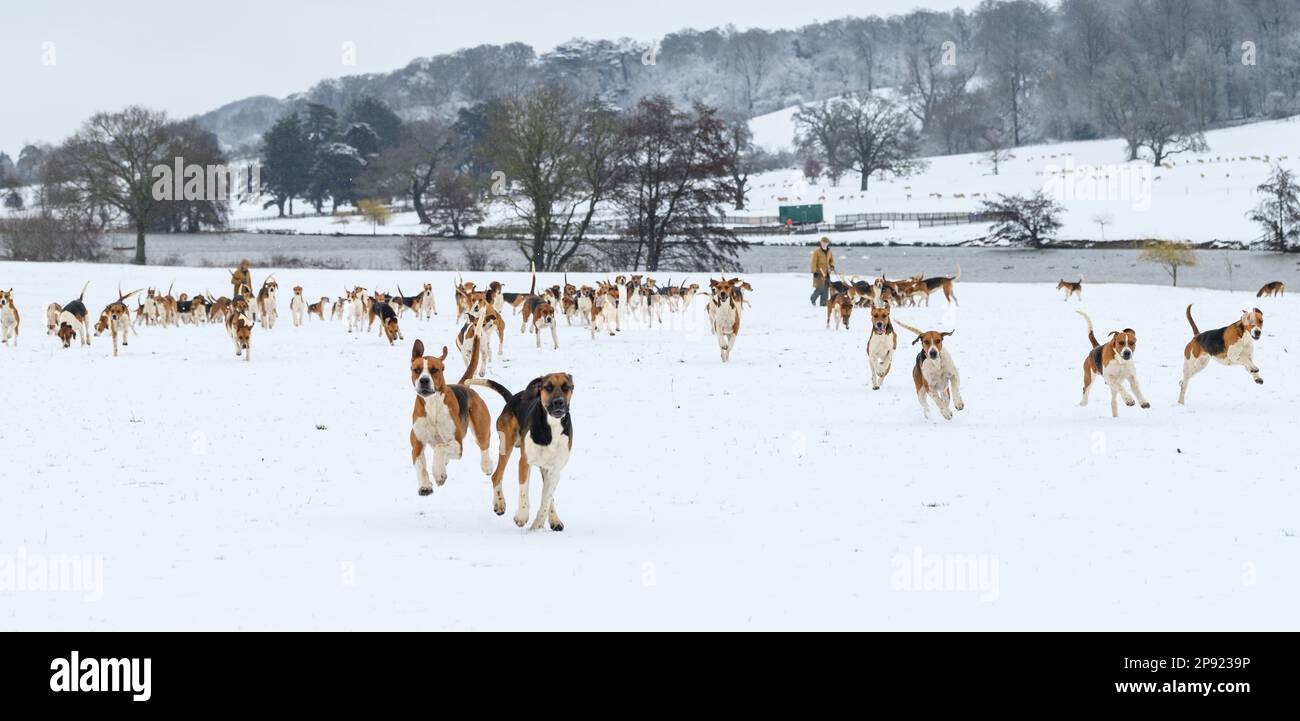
798	214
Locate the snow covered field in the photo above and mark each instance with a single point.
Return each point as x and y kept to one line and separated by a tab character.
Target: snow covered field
777	491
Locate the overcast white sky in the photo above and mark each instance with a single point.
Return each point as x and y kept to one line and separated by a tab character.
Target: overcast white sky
188	58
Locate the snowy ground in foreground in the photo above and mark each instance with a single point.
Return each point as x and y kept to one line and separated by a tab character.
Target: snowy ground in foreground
777	491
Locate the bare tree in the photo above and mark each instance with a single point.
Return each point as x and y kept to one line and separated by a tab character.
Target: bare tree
820	132
109	163
1024	220
537	141
751	55
1279	211
410	168
676	182
878	137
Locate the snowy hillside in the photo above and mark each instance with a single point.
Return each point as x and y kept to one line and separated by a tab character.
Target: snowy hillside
1198	197
279	493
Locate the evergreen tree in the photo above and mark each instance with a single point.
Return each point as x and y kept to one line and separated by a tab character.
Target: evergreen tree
286	162
334	175
381	119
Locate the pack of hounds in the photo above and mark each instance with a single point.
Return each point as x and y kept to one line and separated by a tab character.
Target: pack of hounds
535	420
934	372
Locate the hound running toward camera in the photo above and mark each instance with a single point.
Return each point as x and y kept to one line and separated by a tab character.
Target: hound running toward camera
840	306
1113	362
116	319
881	345
9	318
382	310
1071	288
935	375
318	308
239	326
1232	345
725	305
444	412
537	421
73	320
297	306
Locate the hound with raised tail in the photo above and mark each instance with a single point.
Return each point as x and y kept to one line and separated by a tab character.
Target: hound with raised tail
1232	345
73	320
9	319
881	345
935	375
1277	287
443	413
537	421
116	318
297	306
318	308
1071	288
929	285
1113	361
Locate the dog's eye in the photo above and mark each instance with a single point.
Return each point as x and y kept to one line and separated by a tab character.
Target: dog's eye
550	387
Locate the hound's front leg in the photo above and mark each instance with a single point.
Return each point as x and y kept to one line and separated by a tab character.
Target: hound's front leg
1114	399
421	471
941	402
550	479
521	514
555	337
1252	369
958	403
921	395
440	464
1137	390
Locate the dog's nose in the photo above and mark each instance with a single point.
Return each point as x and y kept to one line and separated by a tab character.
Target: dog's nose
934	354
1127	355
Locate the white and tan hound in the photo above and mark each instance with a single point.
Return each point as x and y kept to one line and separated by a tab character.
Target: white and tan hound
444	412
1113	362
1232	345
934	374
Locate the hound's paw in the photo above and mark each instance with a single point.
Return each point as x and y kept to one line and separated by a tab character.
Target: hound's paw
1130	403
1260	381
520	520
426	491
499	507
441	479
875	387
1146	405
557	526
961	406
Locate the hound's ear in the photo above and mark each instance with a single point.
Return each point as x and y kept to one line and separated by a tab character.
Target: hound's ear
569	378
916	340
1114	333
1130	330
417	351
1257	310
947	333
444	353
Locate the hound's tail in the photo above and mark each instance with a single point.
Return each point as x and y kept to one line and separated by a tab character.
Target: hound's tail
1091	338
484	382
83	291
1195	330
533	268
900	323
473	363
958	276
